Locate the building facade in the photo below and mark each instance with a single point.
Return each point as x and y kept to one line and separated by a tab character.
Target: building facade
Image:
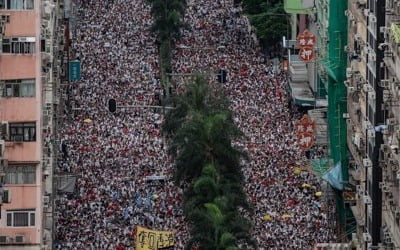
356	75
28	81
373	124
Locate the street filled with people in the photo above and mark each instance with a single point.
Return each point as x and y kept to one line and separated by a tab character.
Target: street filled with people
120	160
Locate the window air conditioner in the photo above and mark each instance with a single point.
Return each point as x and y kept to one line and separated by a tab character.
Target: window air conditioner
371	95
372	18
372	57
360	191
18	138
46	201
4	132
366	12
6	196
367	162
347	48
391	121
385	83
362	2
367	237
19	239
367	87
2	147
349	72
371	133
4	239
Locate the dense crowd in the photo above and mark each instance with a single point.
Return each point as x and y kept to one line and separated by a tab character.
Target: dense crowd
289	211
116	155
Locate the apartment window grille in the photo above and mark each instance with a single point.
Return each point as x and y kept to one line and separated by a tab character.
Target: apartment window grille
18	45
17	4
20	174
19	88
22	131
21	218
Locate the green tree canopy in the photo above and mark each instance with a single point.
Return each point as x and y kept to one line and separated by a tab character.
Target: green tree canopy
269	19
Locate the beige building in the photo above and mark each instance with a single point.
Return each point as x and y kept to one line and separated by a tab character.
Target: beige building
390	150
373	84
28	83
356	108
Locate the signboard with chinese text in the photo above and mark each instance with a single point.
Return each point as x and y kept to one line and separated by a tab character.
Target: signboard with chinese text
306	54
305	129
306	41
147	239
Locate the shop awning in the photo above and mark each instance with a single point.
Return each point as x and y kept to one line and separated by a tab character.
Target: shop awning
319	116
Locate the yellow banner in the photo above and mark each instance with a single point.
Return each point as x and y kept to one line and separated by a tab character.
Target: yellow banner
147	239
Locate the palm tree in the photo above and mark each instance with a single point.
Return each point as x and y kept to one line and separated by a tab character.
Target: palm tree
199	133
207	190
213	228
167	18
201	129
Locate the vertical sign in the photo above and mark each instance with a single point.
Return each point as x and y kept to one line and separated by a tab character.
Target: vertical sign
74	70
306	41
305	129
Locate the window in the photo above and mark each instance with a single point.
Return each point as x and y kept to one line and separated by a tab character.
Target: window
18	45
22	131
20	174
21	218
16	4
19	88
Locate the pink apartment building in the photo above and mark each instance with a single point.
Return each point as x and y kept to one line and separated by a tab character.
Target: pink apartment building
24	78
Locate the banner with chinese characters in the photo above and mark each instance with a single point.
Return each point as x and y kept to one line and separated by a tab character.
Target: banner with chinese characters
306	41
305	129
147	239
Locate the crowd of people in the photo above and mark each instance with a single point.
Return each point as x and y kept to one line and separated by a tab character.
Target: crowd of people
123	171
115	155
289	209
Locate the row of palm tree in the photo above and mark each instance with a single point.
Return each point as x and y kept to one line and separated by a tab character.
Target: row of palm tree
168	22
199	133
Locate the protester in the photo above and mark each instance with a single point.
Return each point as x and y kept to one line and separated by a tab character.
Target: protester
113	155
289	210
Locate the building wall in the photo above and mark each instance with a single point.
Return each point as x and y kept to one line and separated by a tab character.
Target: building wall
378	194
23	23
356	108
391	137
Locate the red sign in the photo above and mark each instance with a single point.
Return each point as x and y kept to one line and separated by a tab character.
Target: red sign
306	39
305	129
306	54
